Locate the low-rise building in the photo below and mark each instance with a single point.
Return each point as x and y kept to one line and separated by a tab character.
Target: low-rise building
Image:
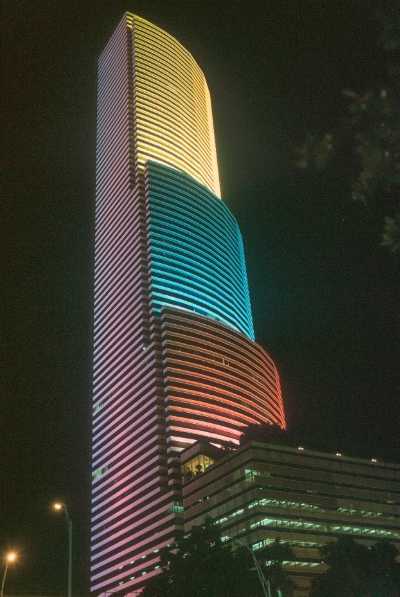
262	492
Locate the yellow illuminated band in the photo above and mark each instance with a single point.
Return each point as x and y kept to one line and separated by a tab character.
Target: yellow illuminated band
167	81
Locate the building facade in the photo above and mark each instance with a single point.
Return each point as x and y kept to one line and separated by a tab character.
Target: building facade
264	492
175	359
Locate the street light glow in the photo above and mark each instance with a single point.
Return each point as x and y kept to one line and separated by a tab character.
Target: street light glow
11	557
57	506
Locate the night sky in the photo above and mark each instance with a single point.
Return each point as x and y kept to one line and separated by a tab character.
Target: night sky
325	295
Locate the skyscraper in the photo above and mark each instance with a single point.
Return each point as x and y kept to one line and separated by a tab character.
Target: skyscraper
174	359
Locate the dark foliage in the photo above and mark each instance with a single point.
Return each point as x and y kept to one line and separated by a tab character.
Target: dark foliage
264	433
356	571
369	135
200	565
271	558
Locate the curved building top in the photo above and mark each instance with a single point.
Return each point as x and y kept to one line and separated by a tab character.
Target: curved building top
195	250
173	121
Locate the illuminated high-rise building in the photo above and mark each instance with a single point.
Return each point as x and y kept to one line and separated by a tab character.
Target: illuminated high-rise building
175	359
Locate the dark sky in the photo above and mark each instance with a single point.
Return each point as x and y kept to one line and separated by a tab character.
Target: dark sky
325	295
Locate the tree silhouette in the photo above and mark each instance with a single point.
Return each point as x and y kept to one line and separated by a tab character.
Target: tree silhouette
271	558
370	134
263	433
357	571
200	565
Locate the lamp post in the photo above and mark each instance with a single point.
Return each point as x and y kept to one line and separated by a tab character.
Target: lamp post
62	507
265	583
10	558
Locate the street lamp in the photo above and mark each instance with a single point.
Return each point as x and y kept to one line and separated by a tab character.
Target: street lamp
62	507
10	558
265	583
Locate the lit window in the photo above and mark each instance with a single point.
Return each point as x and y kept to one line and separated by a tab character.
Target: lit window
99	472
197	465
177	507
